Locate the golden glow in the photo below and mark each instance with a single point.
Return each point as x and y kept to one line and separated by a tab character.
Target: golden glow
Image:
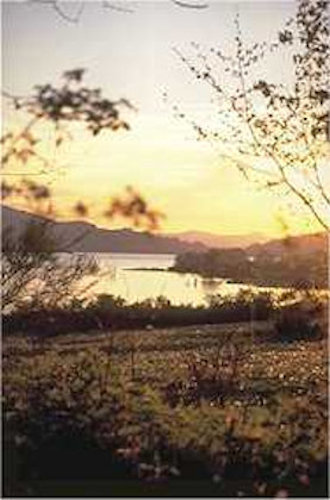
160	156
178	175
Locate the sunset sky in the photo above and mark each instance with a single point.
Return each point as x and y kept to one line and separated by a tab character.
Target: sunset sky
131	55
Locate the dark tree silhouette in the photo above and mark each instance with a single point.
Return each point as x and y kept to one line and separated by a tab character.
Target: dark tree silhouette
275	133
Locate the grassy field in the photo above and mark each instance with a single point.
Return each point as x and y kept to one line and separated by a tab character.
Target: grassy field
195	411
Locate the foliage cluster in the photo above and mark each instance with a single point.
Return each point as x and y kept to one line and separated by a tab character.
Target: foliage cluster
108	312
61	110
292	315
301	320
83	408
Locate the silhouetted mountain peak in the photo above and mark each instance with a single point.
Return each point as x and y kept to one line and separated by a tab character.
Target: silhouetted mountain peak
95	239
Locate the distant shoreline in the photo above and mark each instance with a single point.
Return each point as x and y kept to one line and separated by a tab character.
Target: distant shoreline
146	269
225	281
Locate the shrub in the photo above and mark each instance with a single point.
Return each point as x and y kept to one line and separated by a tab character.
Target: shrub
301	320
112	312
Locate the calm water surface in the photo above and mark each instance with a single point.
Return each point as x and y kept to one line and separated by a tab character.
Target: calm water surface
136	277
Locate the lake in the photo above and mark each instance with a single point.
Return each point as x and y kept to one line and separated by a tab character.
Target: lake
137	277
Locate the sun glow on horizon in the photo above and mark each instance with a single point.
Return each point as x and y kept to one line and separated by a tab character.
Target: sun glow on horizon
184	178
179	176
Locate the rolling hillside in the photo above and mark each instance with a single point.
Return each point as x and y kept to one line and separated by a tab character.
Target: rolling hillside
86	237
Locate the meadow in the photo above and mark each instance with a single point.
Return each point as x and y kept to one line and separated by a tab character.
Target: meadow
213	410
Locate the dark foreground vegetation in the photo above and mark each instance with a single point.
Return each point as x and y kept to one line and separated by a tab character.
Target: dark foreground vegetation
113	312
217	410
299	309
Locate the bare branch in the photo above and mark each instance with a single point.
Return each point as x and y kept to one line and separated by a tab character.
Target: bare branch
262	119
56	5
119	8
190	5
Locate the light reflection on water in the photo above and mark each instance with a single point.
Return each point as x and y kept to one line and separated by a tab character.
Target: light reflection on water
137	277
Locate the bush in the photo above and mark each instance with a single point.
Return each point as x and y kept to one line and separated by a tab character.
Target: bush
301	320
113	312
244	306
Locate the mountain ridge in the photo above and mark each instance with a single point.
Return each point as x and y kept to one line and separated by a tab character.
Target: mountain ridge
95	239
212	240
129	241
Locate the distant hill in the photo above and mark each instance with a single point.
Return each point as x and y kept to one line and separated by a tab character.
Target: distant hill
86	237
220	241
297	261
79	236
303	245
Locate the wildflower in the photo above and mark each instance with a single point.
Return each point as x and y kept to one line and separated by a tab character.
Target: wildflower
304	479
282	493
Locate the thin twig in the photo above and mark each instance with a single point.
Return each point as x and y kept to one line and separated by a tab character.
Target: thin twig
189	5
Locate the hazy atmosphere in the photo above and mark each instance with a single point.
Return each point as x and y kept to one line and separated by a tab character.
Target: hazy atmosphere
131	55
